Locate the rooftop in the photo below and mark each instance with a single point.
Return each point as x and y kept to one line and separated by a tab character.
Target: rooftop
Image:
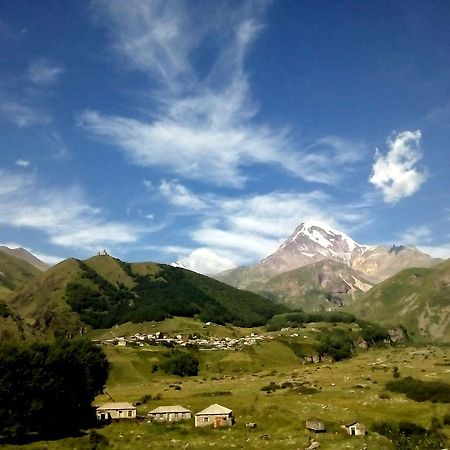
117	405
214	409
169	409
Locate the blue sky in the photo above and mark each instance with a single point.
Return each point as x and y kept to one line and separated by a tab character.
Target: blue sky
205	132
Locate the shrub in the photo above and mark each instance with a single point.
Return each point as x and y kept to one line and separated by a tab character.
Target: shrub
180	362
446	419
409	436
420	391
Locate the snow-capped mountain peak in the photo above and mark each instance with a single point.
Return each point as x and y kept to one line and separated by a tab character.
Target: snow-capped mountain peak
312	242
323	235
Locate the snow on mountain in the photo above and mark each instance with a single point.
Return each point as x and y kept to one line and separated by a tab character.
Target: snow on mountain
312	242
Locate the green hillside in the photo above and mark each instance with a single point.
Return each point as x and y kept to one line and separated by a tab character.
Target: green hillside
419	299
103	291
14	274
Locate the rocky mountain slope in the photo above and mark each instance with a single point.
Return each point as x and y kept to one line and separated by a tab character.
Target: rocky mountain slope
326	284
312	243
24	255
418	298
103	291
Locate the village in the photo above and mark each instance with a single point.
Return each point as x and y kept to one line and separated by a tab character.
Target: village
185	340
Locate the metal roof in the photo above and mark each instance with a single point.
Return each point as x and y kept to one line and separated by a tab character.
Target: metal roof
116	405
169	409
214	409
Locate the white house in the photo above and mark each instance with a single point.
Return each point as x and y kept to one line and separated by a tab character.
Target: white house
169	413
214	415
116	410
355	429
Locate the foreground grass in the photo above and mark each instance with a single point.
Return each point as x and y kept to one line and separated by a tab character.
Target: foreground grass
345	391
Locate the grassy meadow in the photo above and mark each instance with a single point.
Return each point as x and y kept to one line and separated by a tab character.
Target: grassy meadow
335	392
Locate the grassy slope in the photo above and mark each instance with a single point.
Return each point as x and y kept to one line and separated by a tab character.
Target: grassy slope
41	303
145	287
417	298
14	274
347	390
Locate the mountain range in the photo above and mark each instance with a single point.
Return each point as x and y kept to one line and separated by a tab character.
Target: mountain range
297	275
316	268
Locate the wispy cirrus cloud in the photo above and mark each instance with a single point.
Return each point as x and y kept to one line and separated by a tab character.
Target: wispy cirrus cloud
204	126
180	195
63	215
43	73
396	174
416	235
23	114
232	231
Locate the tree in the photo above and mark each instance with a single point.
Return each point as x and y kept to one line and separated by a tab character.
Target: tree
179	362
46	390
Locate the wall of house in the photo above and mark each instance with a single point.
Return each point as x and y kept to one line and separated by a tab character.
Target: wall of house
213	420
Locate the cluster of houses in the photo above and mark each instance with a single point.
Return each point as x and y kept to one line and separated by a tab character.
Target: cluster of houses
203	343
214	415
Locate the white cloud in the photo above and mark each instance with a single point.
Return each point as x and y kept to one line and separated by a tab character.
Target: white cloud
12	182
22	163
416	236
243	230
62	214
395	173
48	259
179	195
204	126
148	185
205	260
42	72
154	36
22	114
437	251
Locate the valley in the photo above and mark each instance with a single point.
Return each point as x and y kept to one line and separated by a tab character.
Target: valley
337	393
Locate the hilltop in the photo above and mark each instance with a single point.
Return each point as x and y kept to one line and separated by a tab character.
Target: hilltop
24	255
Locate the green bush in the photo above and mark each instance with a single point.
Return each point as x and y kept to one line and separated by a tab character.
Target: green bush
180	362
421	391
336	343
409	436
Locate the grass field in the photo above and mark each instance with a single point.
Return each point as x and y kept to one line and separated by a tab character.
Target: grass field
344	391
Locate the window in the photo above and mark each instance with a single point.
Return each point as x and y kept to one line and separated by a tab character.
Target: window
130	413
205	419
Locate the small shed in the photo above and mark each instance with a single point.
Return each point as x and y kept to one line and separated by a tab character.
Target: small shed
355	429
116	410
171	413
214	415
315	425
